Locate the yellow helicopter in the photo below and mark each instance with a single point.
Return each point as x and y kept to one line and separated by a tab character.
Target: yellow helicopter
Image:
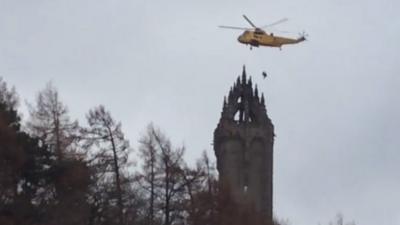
256	36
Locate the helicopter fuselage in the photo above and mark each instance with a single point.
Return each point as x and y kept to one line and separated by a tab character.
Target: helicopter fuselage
259	37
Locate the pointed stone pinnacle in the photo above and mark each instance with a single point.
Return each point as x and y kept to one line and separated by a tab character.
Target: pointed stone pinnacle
256	91
262	99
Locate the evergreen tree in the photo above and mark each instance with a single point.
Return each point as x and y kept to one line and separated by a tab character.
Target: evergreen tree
35	186
24	166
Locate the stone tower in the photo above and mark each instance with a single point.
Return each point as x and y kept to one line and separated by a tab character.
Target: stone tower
243	145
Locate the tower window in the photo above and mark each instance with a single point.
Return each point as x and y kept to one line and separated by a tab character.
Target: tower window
237	116
240	99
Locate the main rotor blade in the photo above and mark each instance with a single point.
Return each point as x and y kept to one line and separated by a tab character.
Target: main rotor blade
281	31
275	23
235	28
248	20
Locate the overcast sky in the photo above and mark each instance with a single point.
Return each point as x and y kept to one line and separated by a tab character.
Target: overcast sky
334	100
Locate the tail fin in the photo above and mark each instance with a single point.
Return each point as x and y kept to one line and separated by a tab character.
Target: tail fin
302	37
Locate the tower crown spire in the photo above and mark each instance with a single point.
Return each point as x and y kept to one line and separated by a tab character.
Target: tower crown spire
256	92
243	104
244	75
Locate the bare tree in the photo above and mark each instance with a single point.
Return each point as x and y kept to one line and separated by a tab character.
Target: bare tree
170	166
209	169
50	122
339	220
148	151
201	187
112	148
162	176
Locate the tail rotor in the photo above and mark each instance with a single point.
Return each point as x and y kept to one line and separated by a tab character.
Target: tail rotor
303	35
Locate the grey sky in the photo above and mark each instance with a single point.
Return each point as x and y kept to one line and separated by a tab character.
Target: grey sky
334	99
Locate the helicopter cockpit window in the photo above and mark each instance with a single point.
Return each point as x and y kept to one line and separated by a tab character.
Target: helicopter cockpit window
259	32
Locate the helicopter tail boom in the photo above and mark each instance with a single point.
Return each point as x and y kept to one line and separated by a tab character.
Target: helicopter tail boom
300	39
